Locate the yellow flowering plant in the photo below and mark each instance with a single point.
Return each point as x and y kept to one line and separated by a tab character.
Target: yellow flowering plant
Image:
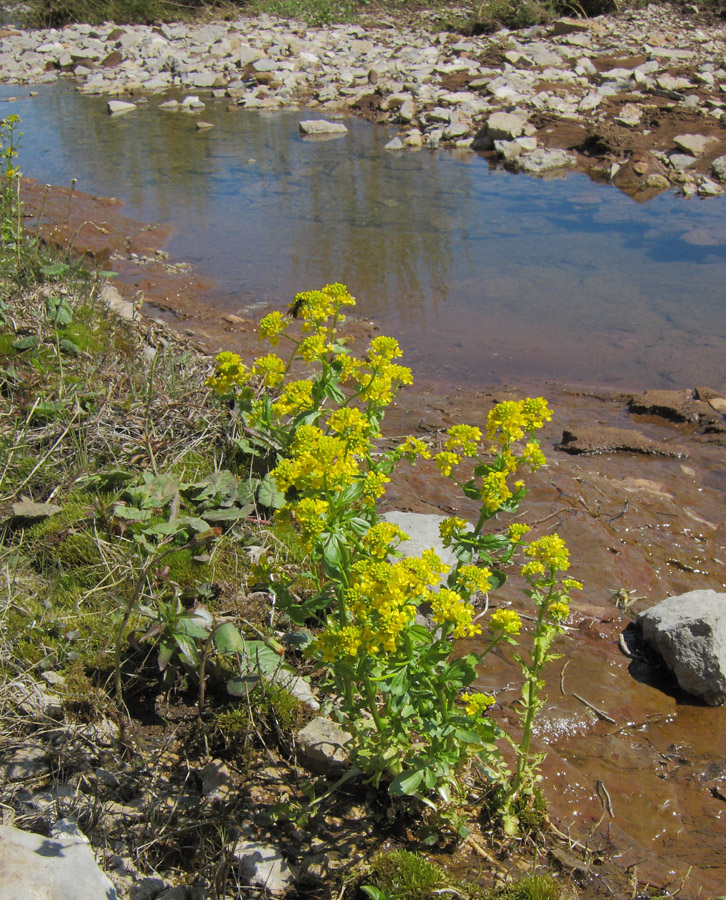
398	690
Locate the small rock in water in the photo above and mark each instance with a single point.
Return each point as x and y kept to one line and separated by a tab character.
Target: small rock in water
322	126
119	107
202	126
394	144
689	633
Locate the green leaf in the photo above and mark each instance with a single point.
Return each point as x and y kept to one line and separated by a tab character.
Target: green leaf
131	513
106	481
407	782
241	685
269	495
334	393
166	651
59	311
187	649
467	736
351	493
359	525
331	549
232	514
26	343
55	269
228	640
70	346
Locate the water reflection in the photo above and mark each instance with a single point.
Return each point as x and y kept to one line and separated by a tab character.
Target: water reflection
483	276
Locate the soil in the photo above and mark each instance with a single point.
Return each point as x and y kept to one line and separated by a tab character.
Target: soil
634	769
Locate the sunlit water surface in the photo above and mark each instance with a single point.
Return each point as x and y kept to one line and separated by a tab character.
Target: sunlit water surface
482	275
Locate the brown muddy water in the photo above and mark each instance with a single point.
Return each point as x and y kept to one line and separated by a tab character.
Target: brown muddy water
486	279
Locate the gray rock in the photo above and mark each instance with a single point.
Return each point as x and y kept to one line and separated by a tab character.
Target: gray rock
504	126
394	144
681	161
34	867
718	168
695	144
708	188
119	107
689	633
26	762
423	534
321	746
263	867
216	780
541	161
322	126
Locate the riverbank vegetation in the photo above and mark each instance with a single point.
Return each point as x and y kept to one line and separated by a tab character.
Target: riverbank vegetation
185	546
473	16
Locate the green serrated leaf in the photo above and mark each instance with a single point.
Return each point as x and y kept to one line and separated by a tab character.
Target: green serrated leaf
269	495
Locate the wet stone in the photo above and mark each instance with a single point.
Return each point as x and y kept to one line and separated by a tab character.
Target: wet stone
595	439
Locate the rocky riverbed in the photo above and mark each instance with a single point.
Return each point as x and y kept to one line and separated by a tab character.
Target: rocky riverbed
638	99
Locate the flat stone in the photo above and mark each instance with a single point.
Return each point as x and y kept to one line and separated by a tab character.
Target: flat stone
321	746
689	632
568	25
695	144
541	161
322	126
681	161
216	780
677	406
504	126
50	868
119	107
394	144
590	440
263	866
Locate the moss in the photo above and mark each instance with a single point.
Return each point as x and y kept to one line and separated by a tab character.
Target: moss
409	876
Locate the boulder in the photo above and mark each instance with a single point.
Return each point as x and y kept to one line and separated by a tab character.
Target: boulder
689	633
694	144
60	867
423	534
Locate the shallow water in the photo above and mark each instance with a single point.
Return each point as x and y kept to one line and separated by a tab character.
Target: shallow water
483	276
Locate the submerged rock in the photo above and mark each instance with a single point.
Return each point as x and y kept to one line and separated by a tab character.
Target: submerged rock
592	439
689	632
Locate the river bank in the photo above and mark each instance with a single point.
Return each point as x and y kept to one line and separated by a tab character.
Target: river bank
635	485
637	99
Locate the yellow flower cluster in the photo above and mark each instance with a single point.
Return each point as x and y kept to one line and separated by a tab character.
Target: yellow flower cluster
374	486
351	424
494	491
230	373
450	608
506	620
549	553
295	397
316	307
413	448
559	610
464	439
476	704
272	326
451	528
511	419
381	538
382	600
517	531
533	456
475	578
317	461
309	514
446	460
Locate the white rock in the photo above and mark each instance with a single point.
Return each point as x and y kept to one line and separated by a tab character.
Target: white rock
36	867
322	746
119	107
718	168
394	144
